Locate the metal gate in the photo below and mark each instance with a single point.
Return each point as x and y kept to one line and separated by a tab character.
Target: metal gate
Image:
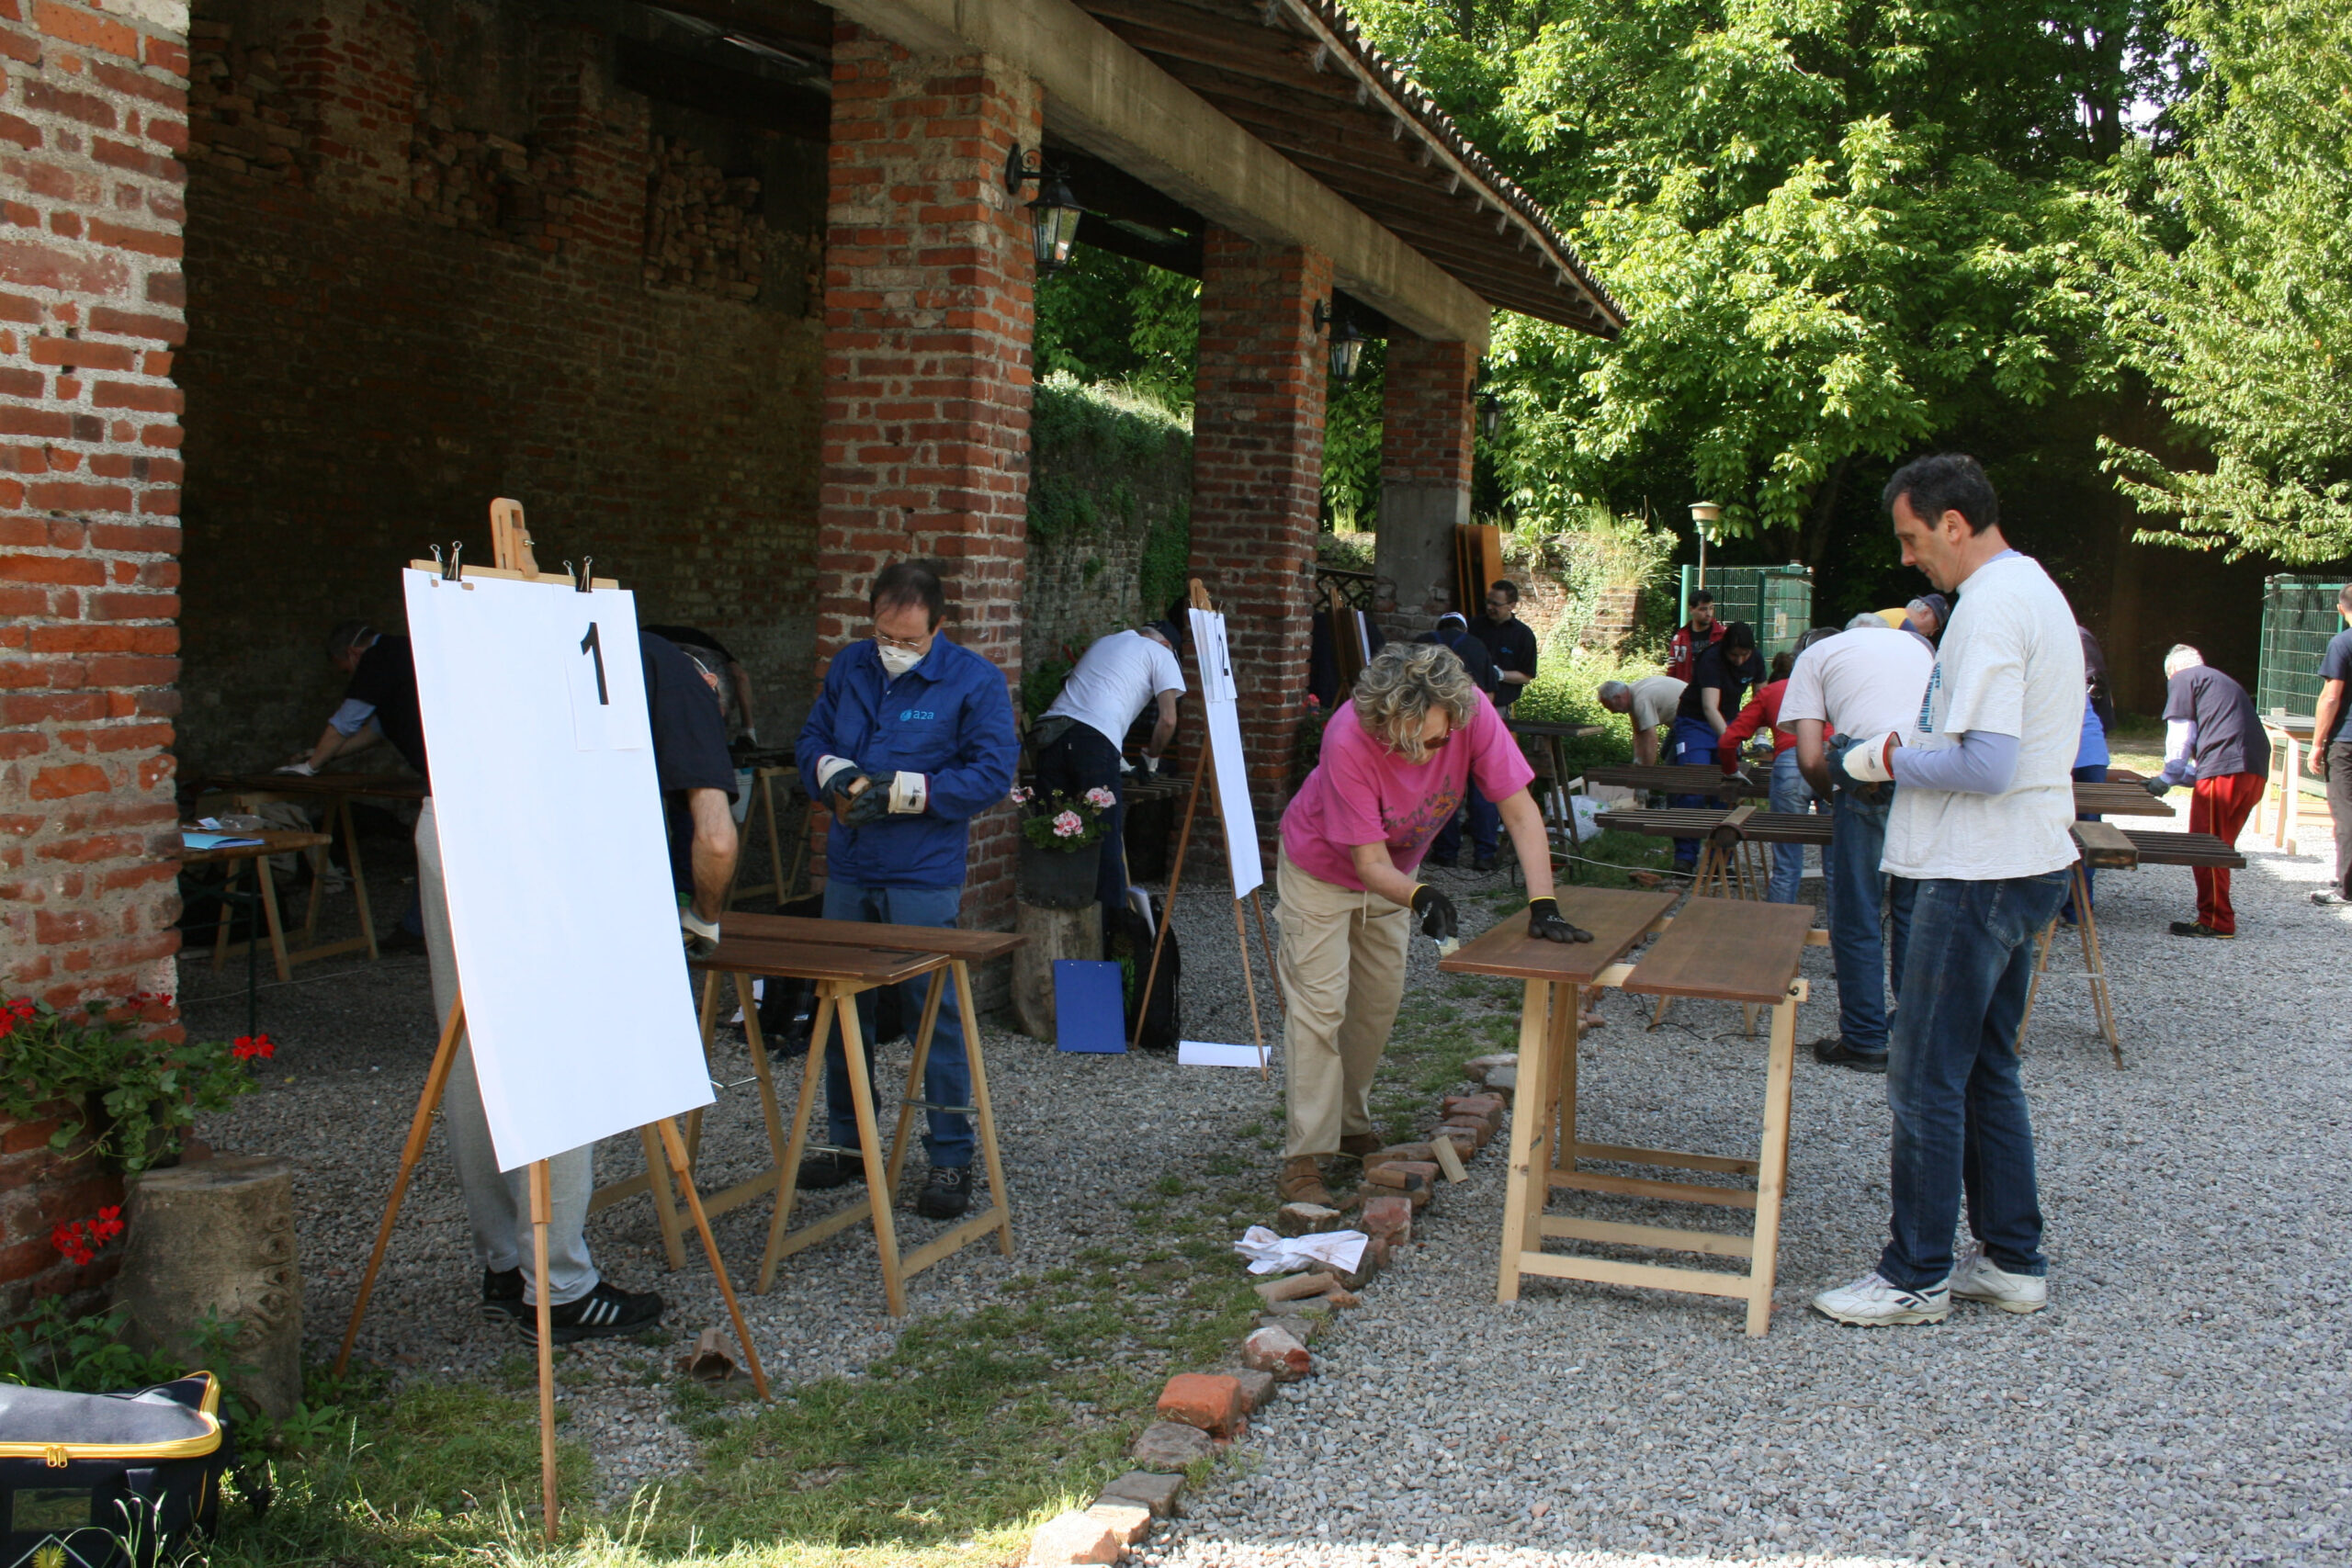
1775	600
2298	618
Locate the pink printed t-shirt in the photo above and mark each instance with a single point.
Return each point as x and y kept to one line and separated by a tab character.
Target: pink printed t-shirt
1362	793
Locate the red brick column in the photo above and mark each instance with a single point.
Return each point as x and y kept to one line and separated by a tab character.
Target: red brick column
928	269
1258	486
93	113
1427	420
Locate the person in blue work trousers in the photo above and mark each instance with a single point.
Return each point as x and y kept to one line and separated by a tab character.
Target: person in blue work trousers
910	738
1720	677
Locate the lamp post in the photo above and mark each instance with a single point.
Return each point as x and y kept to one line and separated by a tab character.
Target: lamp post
1703	515
1052	216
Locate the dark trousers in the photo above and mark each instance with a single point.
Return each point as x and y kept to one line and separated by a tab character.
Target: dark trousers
1693	740
2339	805
1074	761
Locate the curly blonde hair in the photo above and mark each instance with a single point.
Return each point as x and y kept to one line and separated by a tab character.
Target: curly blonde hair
1403	682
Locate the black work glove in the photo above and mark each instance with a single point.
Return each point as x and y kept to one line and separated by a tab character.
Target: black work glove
1435	911
1545	920
865	805
2157	787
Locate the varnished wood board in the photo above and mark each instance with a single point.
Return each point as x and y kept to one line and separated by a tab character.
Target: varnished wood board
1733	950
817	960
1616	918
973	947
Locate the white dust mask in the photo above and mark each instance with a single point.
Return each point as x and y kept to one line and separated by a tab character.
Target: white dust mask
896	662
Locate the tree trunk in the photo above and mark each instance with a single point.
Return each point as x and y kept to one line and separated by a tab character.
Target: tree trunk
218	1237
1825	512
1051	933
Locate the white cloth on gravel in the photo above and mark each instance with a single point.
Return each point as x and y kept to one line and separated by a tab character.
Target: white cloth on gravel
1271	1254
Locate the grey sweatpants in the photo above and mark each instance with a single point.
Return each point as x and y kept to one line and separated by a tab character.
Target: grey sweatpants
499	1203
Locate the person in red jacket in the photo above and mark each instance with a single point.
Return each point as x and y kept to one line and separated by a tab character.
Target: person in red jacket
1790	792
1703	632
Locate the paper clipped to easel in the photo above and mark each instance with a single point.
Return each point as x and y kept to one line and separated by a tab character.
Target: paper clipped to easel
1219	699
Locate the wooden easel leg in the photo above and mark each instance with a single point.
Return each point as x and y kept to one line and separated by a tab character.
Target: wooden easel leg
707	1022
1526	1188
984	1114
915	1066
787	1179
1266	946
358	878
2043	941
543	1211
269	911
665	1207
420	1129
1772	1167
1250	983
869	1137
221	938
678	1166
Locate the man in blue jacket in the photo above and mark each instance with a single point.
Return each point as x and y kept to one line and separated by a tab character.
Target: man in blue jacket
911	738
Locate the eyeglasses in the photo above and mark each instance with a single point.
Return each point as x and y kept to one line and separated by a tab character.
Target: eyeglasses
909	645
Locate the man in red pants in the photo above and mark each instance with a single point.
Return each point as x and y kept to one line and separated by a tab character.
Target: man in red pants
2213	740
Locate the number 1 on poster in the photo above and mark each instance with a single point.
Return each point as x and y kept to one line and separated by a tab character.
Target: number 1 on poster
591	694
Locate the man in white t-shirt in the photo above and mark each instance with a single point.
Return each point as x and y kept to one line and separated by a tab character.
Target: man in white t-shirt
1078	743
1650	704
1982	824
1866	680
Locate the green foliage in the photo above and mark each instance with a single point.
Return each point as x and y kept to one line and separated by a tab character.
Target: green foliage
2233	283
137	1093
1167	560
1097	443
1107	318
1564	691
1592	552
1351	433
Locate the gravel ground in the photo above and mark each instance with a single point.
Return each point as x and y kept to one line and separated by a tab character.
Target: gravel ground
2185	1398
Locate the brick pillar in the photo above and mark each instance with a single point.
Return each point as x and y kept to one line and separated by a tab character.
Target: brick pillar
93	113
1427	420
1258	487
929	270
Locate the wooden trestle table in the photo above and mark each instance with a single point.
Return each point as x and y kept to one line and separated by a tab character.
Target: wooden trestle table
844	958
336	792
1723	949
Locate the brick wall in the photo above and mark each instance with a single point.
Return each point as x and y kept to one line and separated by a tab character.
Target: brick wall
92	113
1427	419
440	254
1256	487
928	276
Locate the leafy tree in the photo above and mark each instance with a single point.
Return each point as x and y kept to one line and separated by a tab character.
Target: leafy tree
2233	287
1111	318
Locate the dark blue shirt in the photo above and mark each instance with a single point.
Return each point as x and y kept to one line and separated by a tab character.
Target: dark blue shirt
2336	664
949	719
689	743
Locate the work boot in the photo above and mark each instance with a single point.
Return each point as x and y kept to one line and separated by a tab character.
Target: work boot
502	1295
823	1173
1302	1182
1358	1145
947	1194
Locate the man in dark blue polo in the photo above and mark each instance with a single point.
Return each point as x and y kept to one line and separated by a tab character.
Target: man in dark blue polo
911	738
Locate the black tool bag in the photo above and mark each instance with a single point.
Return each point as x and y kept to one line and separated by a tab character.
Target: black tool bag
109	1480
1127	941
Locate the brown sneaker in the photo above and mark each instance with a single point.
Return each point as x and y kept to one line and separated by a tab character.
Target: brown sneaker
1301	1181
1358	1145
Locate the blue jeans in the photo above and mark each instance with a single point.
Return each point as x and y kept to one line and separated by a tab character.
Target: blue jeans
1693	743
1860	902
1485	828
948	1076
1790	793
1960	1123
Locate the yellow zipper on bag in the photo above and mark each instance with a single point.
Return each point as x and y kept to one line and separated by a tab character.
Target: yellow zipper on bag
57	1456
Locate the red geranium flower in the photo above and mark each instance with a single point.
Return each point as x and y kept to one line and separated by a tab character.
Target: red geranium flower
249	1046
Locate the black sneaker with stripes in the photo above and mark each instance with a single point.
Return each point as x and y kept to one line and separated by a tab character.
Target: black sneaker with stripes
502	1295
604	1313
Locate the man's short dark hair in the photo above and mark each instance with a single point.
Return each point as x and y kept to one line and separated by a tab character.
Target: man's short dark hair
1702	597
1506	587
345	636
1947	481
908	582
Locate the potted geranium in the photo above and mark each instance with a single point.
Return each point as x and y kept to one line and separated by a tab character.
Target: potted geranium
1060	835
102	1074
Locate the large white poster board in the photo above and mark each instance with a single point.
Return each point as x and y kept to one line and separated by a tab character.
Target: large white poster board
562	909
1220	698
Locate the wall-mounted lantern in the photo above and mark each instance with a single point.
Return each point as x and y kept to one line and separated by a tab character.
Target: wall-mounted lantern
1052	216
1347	342
1490	415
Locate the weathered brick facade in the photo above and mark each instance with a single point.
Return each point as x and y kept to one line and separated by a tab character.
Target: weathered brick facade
929	270
1427	418
1256	487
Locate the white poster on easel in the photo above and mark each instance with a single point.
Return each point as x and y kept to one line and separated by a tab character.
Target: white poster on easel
562	909
1220	698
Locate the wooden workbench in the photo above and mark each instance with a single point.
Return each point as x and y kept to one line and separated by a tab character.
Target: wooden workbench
1720	949
238	858
337	791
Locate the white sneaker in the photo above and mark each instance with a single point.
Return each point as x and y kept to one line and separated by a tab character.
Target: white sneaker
1979	1278
1872	1302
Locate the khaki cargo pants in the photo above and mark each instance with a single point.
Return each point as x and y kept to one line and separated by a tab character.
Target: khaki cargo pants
1343	964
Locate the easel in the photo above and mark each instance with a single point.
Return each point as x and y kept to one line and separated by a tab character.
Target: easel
512	542
1200	600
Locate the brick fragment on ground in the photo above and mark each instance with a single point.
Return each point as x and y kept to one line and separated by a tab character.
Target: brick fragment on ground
1464	1141
1503	1081
1074	1536
1341	1296
1292	1287
1485	1066
1210	1401
1386	1217
1488	1108
1160	1494
1130	1521
1373	1162
1307	1219
1257	1387
1274	1351
1474	1125
1405	1175
1171	1445
1297	1325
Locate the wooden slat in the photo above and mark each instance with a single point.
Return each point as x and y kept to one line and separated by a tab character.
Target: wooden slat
1616	1233
1650	1187
1763	828
1732	950
1672	780
1615	918
2117	800
2106	845
973	947
816	961
1607	1271
2183	849
1539	729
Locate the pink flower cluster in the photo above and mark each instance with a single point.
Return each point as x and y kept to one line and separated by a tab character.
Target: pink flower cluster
1100	798
1068	826
1021	796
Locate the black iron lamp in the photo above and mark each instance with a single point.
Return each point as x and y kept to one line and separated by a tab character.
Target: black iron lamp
1347	342
1490	415
1052	216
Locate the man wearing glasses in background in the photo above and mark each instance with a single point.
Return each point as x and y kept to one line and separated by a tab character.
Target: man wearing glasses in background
1511	642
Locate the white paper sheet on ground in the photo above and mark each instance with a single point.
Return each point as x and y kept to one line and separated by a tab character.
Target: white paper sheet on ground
1218	700
1200	1053
561	910
1271	1254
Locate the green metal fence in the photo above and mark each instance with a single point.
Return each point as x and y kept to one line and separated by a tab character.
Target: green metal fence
1775	600
2298	618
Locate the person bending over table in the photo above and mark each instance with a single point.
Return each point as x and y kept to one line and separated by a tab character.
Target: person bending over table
910	740
1719	680
1981	825
1789	792
735	682
2214	742
1077	743
1394	762
1452	631
1650	703
379	705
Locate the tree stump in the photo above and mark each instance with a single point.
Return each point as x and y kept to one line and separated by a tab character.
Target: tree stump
1052	934
218	1236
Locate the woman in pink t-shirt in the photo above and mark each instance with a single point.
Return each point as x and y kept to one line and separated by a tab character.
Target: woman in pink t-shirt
1394	764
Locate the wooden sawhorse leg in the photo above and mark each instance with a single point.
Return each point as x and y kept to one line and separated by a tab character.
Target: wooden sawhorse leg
836	1007
2094	969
